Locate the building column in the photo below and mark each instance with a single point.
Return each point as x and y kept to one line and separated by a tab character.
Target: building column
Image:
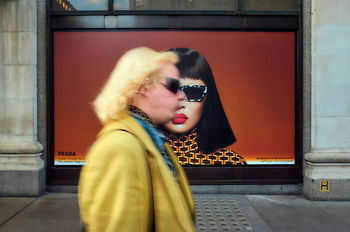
327	171
22	170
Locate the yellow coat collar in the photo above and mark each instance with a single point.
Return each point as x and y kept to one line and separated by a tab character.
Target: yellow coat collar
130	124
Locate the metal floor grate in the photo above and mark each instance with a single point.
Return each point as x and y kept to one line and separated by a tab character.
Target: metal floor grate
221	213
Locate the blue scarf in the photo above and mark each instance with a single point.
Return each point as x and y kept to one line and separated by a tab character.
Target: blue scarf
157	137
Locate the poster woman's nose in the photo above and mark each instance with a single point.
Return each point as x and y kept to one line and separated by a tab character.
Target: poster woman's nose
181	95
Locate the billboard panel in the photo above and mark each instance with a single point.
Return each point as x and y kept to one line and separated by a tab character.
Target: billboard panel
253	74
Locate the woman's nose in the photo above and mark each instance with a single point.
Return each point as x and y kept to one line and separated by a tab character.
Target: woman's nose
181	95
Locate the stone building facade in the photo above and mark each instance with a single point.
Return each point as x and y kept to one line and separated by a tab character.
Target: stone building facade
22	168
327	65
326	104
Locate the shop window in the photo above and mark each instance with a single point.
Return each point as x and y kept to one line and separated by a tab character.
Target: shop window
270	5
175	5
182	5
79	5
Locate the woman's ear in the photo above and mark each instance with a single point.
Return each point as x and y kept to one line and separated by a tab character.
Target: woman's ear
142	90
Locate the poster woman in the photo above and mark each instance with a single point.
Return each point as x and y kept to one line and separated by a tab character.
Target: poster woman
200	131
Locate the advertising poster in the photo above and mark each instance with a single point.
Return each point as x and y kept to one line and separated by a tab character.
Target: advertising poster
239	86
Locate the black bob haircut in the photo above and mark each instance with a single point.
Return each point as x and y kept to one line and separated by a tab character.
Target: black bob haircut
213	129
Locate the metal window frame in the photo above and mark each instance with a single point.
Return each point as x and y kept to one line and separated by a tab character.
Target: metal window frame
182	21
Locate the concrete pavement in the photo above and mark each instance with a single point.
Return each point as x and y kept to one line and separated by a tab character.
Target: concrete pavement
214	212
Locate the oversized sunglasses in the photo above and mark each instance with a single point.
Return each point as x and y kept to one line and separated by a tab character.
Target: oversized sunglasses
194	93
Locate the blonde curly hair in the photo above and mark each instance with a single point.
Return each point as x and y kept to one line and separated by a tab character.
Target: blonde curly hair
137	67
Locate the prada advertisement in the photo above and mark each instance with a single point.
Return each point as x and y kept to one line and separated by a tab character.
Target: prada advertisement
239	108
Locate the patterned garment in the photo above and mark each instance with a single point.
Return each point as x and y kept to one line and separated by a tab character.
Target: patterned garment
186	149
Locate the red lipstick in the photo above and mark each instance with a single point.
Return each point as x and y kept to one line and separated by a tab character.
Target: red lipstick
180	119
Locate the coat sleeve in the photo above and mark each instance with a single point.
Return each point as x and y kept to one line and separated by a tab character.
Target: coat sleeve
114	193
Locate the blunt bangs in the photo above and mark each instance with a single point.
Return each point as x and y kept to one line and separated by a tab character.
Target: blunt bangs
214	130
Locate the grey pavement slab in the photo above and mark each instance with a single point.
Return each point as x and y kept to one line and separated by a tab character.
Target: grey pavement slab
10	206
338	209
215	212
51	212
258	224
295	213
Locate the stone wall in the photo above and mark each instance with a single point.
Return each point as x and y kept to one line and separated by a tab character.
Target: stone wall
326	128
329	159
21	167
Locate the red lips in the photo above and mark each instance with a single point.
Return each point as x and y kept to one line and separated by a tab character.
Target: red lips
180	119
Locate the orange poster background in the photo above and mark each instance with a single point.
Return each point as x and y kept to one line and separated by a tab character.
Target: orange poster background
254	74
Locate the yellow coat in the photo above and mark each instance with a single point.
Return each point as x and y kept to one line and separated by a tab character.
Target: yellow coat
114	185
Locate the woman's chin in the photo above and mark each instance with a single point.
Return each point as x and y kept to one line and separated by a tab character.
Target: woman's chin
177	129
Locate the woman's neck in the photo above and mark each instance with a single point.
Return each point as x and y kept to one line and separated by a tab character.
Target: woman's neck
140	113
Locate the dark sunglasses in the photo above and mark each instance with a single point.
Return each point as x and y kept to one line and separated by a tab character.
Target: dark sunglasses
194	93
172	84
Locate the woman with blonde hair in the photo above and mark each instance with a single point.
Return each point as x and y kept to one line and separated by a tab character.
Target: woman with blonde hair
132	180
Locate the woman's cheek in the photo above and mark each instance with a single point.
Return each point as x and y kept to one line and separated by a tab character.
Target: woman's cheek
194	113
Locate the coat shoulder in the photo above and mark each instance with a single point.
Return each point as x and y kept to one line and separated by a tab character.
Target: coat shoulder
116	142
